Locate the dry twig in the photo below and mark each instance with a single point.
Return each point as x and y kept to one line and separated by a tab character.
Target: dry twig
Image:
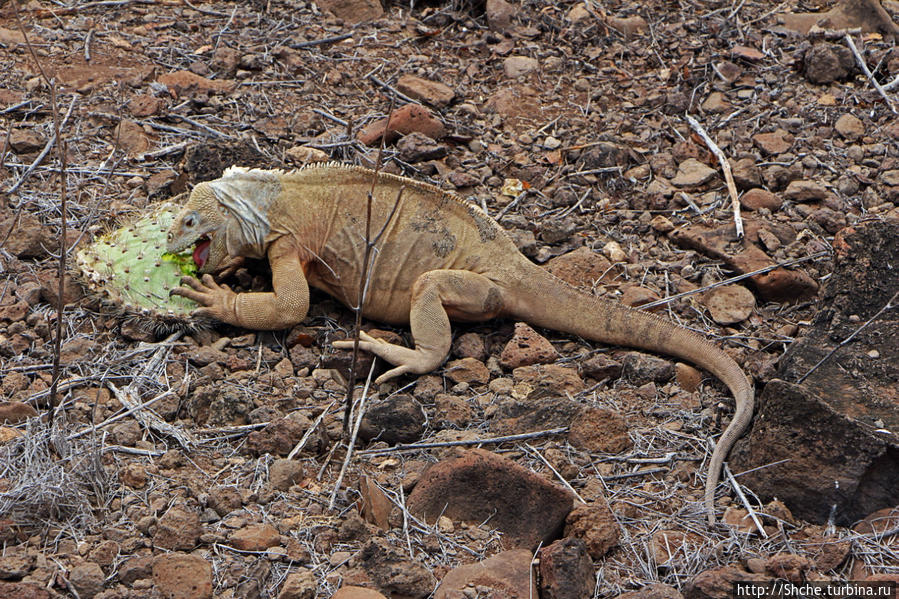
864	67
725	167
505	439
739	491
888	306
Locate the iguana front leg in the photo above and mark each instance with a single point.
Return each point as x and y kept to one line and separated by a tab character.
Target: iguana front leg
437	296
284	307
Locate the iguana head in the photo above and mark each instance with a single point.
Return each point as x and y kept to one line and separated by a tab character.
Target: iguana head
226	218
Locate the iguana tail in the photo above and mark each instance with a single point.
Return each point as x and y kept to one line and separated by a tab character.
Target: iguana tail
546	301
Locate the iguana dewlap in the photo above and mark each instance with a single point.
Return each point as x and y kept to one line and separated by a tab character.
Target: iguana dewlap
437	258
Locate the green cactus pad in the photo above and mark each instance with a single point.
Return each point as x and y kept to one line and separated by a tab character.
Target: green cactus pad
131	267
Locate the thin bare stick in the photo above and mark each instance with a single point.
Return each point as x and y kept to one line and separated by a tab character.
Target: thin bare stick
725	167
505	439
746	504
118	417
150	419
299	446
671	298
319	42
61	152
554	471
889	305
43	153
364	276
864	67
391	89
634	474
352	441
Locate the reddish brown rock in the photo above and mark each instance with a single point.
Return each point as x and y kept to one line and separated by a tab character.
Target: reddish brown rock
534	415
178	529
506	575
518	66
653	591
396	419
376	505
717	583
25	141
424	90
774	143
640	368
754	199
14	412
566	571
185	82
789	566
452	410
418	147
629	26
469	345
546	380
87	578
144	105
671	548
637	295
825	63
182	576
353	592
601	366
31	238
747	53
745	256
879	522
596	429
499	15
284	473
467	370
527	347
729	304
746	173
687	377
392	572
595	524
805	191
410	118
255	537
22	590
829	423
131	138
302	584
481	485
353	11
278	438
582	267
136	568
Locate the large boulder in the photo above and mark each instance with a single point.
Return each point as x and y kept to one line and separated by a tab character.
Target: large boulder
826	436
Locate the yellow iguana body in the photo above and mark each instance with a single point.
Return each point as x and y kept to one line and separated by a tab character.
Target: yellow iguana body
437	258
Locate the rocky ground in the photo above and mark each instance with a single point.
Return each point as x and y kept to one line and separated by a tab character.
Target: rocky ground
567	122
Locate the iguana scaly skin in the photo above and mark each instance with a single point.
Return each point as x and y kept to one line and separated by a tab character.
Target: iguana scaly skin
437	258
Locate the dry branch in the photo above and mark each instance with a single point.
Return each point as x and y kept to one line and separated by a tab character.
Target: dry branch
725	167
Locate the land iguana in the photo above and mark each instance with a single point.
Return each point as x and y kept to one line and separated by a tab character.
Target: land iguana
437	258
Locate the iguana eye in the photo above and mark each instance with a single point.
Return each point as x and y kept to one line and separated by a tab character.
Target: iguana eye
190	221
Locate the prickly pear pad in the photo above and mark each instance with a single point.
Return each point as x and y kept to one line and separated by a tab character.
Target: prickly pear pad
131	267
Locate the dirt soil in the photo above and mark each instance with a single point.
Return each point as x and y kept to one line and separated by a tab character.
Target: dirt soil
567	123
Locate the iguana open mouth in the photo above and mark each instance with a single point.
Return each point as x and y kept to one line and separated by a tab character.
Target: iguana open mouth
201	251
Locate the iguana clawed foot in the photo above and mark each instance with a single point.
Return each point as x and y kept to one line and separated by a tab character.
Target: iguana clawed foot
406	360
217	300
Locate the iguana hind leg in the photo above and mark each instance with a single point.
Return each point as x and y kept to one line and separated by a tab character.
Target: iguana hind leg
437	296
